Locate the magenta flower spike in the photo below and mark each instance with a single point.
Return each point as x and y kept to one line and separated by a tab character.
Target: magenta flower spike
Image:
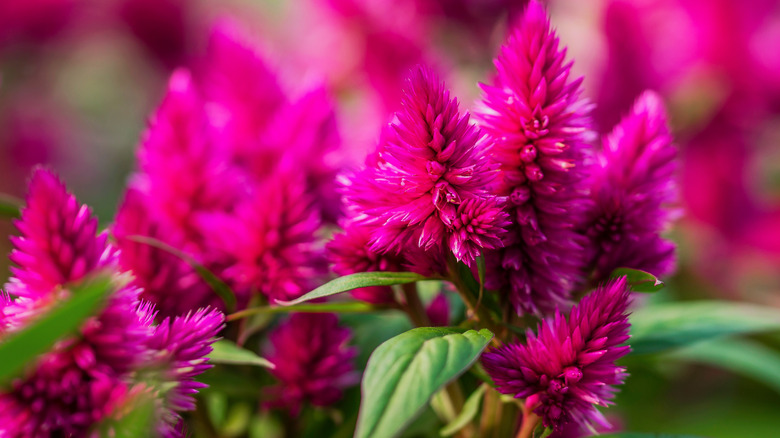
269	242
312	361
180	165
165	280
428	186
633	187
540	127
180	346
83	378
58	242
568	367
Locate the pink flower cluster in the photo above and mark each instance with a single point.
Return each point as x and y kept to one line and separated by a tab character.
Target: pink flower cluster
236	174
86	380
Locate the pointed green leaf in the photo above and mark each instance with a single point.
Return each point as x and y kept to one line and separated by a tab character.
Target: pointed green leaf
226	352
741	356
21	348
354	281
467	414
335	306
217	285
639	281
669	325
406	371
10	207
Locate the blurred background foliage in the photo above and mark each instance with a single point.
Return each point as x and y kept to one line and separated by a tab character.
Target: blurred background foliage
79	77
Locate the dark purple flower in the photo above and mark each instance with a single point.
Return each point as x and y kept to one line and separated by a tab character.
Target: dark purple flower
438	311
432	161
312	359
633	185
568	366
269	242
540	127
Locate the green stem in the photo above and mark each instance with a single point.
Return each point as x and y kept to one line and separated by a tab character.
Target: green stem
480	312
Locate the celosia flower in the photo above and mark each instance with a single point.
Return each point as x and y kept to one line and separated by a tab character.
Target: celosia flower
86	379
431	163
312	359
349	252
540	129
269	241
568	366
165	280
83	378
180	346
57	244
180	165
632	187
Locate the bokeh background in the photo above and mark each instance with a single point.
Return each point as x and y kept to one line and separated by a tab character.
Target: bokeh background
78	79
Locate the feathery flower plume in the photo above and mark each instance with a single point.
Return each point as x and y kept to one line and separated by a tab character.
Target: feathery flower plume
633	185
432	161
57	244
540	129
180	347
349	252
269	241
313	362
180	165
569	365
87	379
165	280
83	378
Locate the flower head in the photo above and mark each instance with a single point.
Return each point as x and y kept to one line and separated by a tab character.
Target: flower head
313	362
540	128
165	280
350	252
58	243
180	346
633	186
84	377
269	242
568	366
432	161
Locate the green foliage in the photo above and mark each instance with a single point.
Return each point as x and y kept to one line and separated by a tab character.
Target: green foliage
10	207
740	356
669	325
645	435
22	348
355	281
227	352
336	306
405	372
639	281
467	414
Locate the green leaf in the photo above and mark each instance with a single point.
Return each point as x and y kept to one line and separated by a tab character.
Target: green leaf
669	325
740	356
10	207
336	306
217	285
354	281
467	414
406	371
140	421
639	281
21	348
226	352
